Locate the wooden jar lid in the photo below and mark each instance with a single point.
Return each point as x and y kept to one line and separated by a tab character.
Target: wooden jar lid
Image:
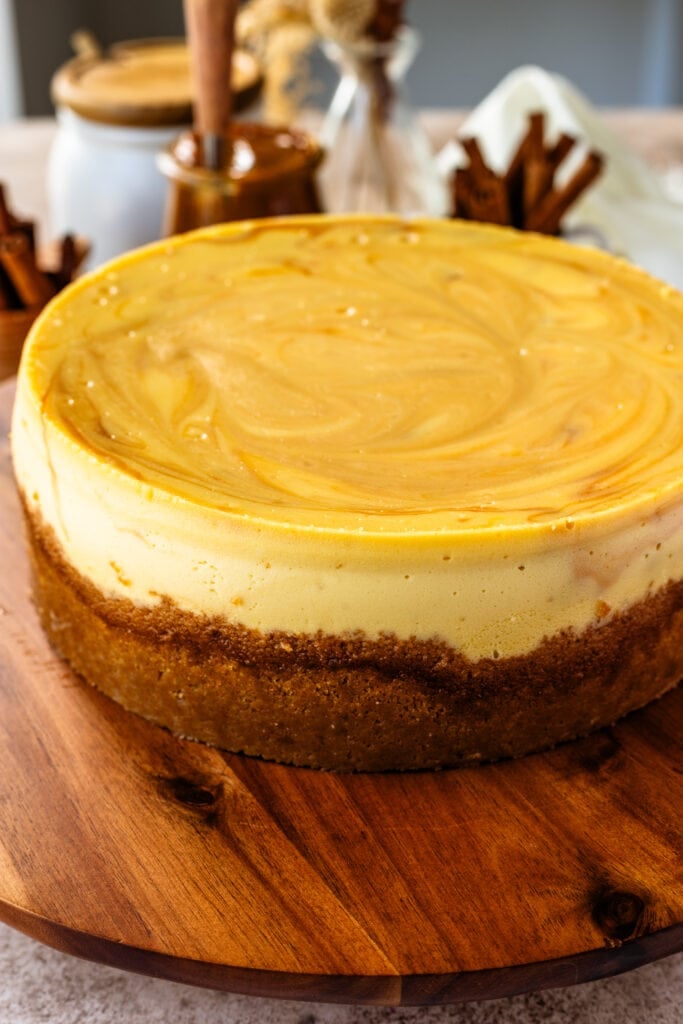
142	83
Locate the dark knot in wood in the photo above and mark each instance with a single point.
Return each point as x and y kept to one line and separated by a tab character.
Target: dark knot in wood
598	750
187	791
618	914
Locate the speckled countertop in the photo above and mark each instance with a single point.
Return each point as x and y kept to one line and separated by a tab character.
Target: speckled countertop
39	985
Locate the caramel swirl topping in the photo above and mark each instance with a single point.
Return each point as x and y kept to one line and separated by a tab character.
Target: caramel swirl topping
374	374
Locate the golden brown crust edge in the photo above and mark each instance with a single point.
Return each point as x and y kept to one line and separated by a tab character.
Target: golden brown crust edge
352	703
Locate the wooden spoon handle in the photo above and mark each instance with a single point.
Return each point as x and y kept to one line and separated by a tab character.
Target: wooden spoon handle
210	28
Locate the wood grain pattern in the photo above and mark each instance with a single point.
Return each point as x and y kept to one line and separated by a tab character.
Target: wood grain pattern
121	844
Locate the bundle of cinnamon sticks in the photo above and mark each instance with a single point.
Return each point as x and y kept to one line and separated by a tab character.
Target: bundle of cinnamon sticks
526	195
23	284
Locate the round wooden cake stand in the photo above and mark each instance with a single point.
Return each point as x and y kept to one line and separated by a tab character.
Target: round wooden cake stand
123	845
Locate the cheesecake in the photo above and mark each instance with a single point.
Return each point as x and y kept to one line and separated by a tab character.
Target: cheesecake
360	493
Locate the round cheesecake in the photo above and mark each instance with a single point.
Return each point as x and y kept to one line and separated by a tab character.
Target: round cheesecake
359	493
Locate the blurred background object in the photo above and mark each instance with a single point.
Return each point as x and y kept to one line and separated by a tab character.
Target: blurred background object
10	77
622	52
378	156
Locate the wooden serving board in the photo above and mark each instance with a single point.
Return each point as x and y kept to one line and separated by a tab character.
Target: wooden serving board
121	844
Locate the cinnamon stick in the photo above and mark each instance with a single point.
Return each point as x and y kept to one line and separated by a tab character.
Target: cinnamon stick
535	134
485	201
538	181
560	150
8	296
68	261
32	286
462	194
5	216
548	214
9	222
478	165
516	164
28	228
493	202
488	196
514	176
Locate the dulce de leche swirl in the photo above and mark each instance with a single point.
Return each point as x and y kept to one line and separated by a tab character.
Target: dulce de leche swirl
342	424
382	375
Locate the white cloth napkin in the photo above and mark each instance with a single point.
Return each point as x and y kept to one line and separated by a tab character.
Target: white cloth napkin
627	205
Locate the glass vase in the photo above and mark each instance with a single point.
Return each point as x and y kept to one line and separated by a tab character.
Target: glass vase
378	157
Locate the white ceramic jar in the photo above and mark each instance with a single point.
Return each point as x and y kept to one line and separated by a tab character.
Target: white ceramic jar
103	183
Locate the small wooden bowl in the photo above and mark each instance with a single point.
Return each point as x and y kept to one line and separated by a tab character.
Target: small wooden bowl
14	326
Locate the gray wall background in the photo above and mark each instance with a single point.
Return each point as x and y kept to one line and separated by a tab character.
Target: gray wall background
619	52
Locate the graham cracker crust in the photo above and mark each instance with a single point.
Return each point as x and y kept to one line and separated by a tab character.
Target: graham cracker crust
352	703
